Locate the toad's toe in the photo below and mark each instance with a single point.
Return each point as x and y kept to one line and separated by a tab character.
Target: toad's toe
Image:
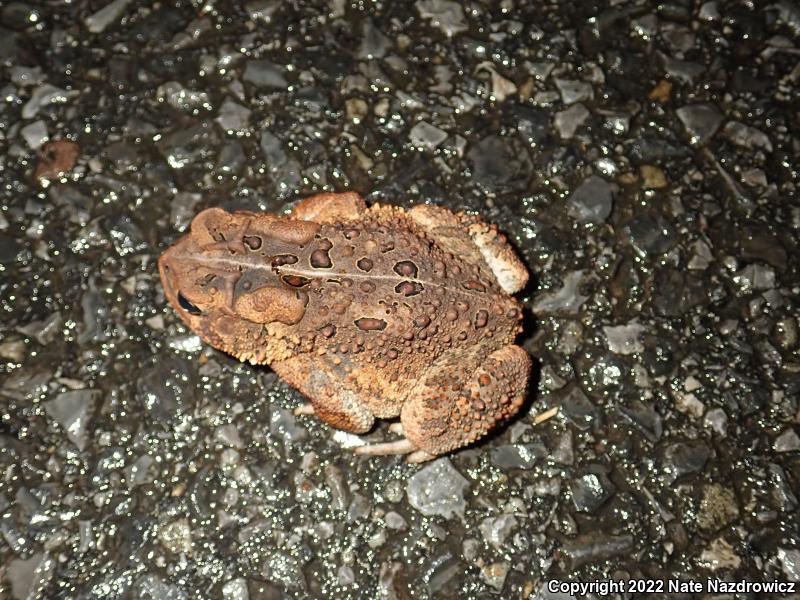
419	456
403	446
304	409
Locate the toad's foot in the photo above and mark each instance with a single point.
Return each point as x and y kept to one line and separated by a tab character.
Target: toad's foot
403	446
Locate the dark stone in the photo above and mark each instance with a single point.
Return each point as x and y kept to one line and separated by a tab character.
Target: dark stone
684	458
579	409
500	164
651	235
9	249
591	489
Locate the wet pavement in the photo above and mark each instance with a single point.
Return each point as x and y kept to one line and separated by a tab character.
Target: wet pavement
643	158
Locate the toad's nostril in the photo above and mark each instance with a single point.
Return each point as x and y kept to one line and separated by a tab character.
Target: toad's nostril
188	306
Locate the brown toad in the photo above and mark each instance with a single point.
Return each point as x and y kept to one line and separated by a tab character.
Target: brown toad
369	312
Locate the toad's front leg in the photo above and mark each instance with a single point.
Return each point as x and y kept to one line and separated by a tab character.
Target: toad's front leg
331	400
442	414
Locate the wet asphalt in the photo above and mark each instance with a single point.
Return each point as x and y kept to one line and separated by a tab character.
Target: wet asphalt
643	159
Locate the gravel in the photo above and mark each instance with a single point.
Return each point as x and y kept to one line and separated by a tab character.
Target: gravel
640	156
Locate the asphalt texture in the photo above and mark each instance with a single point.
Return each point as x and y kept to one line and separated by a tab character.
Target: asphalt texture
641	156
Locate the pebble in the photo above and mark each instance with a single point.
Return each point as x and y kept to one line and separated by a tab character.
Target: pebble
231	159
426	135
787	333
624	339
652	236
176	536
565	300
788	441
574	91
719	555
438	489
790	563
755	277
595	547
494	574
264	74
340	492
701	121
717	421
45	95
709	11
233	117
98	22
684	71
746	136
500	88
689	404
35	134
395	521
564	451
645	418
283	423
445	15
441	570
393	491
500	164
684	458
282	168
345	576
496	530
374	44
568	121
13	350
517	456
138	472
360	508
182	209
591	490
29	578
592	201
26	76
653	178
228	435
152	586
577	407
72	411
45	331
235	589
177	96
701	256
262	10
717	509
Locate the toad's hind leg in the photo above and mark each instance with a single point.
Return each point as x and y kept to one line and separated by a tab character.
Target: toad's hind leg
440	416
474	241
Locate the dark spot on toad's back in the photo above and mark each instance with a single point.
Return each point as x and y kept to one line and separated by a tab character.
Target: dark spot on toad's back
295	280
409	288
406	268
370	324
320	259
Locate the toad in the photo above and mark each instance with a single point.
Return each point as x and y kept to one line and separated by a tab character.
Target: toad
370	312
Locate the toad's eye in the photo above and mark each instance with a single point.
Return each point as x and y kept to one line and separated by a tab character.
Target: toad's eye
188	306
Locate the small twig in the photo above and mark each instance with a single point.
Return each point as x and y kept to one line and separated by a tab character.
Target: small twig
548	414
